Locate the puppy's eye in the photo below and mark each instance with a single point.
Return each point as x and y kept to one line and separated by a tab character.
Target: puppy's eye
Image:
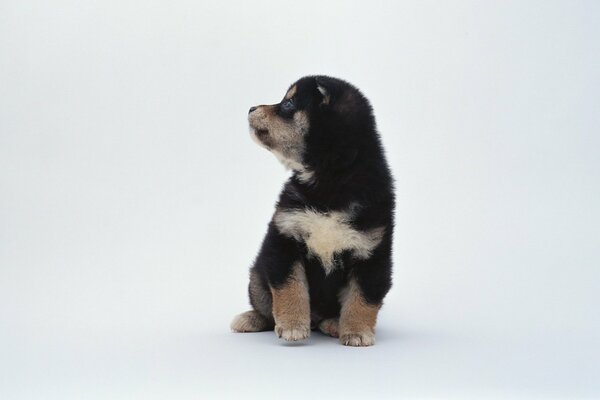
287	106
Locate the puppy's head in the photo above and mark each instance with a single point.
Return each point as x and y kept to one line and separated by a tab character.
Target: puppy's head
315	125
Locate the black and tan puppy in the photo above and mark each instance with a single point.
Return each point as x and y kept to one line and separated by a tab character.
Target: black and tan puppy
325	261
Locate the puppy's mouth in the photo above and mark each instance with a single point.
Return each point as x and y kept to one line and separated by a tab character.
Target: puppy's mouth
260	136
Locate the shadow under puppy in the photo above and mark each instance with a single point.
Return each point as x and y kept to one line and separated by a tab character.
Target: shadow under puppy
325	261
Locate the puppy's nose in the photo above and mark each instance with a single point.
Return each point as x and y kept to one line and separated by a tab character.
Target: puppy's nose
251	109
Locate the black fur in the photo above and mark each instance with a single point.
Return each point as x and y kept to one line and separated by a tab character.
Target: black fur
344	151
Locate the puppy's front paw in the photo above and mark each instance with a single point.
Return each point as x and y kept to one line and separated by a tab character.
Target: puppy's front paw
292	331
358	339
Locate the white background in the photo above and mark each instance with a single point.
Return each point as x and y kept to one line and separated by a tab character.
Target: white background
132	200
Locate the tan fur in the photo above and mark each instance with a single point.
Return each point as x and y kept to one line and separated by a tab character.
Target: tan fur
330	327
327	234
250	321
284	138
357	318
326	96
291	92
291	306
306	175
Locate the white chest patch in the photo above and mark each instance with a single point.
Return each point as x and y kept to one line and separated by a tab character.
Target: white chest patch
327	234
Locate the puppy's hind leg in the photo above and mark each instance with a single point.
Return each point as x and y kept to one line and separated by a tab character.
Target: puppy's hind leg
260	318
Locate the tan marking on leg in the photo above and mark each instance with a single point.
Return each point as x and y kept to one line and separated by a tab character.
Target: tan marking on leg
251	321
357	317
330	327
291	306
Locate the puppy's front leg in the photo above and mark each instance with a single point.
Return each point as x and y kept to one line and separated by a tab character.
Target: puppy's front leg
291	306
357	317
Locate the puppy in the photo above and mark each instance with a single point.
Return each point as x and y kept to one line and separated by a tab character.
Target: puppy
326	260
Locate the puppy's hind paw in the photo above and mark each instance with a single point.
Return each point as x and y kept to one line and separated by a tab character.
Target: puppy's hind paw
329	327
250	321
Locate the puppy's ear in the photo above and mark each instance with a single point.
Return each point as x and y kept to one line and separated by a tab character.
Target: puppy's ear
324	90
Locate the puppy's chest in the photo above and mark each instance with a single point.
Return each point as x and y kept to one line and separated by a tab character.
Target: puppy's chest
327	234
